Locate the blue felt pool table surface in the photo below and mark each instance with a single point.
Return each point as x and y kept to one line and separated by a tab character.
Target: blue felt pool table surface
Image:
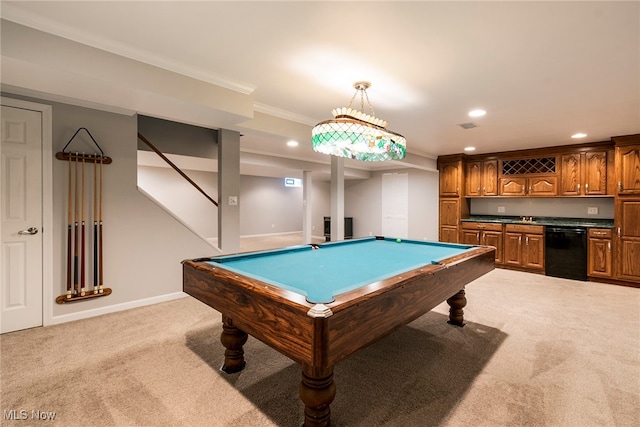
320	272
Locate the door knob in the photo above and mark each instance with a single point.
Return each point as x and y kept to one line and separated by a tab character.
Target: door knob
29	231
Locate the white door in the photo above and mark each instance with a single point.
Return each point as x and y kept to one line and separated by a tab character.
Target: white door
22	218
395	205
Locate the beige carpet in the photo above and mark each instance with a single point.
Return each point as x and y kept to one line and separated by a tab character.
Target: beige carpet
536	351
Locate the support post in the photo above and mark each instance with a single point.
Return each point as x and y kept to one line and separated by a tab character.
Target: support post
337	198
228	191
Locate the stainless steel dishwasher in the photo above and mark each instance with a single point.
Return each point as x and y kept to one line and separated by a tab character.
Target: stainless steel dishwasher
566	252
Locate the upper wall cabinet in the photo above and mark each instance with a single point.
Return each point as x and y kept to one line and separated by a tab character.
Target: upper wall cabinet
450	178
628	169
528	177
583	174
481	178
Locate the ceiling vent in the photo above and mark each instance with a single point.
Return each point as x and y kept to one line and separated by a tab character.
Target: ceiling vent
469	125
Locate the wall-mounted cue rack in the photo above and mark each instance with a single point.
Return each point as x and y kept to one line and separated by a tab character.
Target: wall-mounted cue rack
85	172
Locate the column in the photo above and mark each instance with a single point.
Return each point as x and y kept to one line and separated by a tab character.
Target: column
307	207
337	198
228	191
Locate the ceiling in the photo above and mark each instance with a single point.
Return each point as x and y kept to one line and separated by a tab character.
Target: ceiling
542	70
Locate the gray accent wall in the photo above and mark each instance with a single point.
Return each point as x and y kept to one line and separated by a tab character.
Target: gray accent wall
143	245
177	138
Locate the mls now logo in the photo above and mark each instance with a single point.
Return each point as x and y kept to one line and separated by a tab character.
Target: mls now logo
23	414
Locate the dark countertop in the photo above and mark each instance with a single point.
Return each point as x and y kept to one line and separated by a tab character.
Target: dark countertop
550	221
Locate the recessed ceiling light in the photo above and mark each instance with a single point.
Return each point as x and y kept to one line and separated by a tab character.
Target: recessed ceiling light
469	148
292	143
477	113
578	135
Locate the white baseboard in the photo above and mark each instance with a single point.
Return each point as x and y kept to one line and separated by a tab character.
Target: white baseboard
115	308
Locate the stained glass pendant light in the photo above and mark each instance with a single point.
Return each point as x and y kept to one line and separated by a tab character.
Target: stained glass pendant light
356	135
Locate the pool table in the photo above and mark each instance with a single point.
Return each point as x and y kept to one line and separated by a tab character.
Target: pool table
317	304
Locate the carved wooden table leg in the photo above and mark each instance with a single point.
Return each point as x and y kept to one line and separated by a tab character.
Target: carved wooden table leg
457	303
232	339
317	391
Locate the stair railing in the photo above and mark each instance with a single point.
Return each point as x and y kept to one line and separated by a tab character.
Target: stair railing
177	169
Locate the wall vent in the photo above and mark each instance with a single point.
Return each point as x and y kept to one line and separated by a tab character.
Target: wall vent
469	125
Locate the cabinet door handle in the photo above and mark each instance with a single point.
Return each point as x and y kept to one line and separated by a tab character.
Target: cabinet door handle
519	240
586	188
527	241
618	232
578	188
609	246
619	185
478	236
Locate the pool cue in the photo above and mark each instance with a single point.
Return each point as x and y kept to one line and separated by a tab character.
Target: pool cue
95	225
82	236
76	288
69	243
101	290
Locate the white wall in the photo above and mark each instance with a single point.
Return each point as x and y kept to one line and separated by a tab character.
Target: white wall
178	196
267	206
363	202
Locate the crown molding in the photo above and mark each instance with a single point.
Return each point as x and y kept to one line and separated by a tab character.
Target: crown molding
19	16
283	114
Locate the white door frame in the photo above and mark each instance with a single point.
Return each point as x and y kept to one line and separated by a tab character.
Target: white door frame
47	202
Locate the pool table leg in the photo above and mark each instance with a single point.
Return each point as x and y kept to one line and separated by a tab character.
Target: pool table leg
457	303
232	339
317	391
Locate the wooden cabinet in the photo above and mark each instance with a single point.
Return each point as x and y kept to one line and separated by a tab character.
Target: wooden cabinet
481	178
449	220
452	206
600	253
451	178
583	174
626	264
628	169
483	233
524	246
538	186
627	222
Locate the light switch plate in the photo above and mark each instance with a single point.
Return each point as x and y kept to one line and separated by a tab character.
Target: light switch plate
501	209
233	200
592	211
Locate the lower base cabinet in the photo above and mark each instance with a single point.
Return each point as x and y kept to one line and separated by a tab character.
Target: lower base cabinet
484	233
524	246
600	253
